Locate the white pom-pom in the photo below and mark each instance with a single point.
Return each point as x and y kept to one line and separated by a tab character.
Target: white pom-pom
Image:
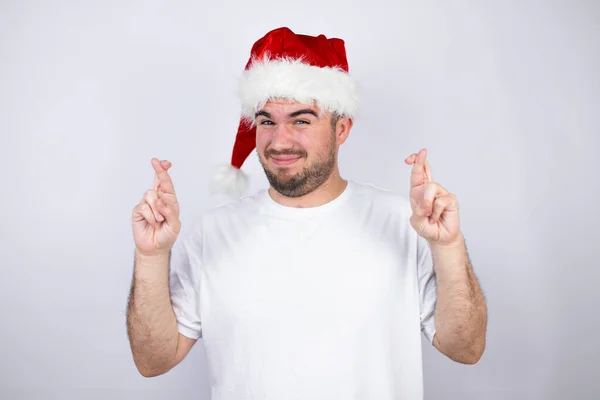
230	180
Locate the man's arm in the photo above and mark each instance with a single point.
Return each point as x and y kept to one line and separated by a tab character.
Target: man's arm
156	344
461	314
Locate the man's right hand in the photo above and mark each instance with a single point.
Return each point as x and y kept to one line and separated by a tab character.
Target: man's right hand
156	223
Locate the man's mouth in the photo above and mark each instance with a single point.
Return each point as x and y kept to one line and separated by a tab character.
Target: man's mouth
285	160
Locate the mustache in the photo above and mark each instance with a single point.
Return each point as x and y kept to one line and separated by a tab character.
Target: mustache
290	152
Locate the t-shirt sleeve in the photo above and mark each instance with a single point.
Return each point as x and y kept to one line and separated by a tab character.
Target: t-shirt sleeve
185	266
427	288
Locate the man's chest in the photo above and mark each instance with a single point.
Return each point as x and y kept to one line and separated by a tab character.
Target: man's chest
313	276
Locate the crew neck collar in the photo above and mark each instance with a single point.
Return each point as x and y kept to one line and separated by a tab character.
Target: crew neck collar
297	212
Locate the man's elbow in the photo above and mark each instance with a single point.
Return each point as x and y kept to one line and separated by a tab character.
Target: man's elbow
469	357
154	364
470	354
148	372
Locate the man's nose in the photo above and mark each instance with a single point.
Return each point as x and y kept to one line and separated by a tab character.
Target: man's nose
283	137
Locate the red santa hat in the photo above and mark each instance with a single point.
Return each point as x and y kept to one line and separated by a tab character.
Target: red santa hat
286	65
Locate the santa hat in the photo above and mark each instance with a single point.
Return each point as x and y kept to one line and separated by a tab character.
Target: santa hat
286	65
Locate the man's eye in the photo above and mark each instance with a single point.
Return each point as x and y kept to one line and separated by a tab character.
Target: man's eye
266	123
301	121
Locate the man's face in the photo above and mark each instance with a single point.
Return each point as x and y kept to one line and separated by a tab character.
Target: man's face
297	146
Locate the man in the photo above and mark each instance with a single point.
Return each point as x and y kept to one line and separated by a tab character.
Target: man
317	287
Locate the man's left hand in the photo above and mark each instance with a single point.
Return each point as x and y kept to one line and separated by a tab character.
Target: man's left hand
435	210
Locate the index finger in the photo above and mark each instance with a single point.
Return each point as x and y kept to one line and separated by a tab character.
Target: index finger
162	178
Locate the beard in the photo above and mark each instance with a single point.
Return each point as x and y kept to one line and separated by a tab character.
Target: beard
308	179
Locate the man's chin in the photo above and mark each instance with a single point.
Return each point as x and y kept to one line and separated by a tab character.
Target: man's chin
285	183
282	181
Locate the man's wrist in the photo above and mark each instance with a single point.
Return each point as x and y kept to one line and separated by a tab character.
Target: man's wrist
457	243
157	254
158	258
449	257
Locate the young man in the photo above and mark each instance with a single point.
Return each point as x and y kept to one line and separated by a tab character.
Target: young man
317	287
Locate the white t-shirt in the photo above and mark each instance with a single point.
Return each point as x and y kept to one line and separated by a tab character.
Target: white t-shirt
314	303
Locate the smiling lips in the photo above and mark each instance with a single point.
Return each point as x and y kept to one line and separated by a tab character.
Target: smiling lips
284	160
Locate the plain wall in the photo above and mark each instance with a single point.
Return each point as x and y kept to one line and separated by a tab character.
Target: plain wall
504	95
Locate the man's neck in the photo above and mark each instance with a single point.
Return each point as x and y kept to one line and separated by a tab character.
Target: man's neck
325	193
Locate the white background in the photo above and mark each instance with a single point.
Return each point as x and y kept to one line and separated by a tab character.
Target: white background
505	95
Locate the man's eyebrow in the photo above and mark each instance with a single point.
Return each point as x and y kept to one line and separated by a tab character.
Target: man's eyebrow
263	113
303	111
291	115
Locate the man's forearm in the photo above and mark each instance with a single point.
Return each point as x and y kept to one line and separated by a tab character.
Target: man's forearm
461	314
151	322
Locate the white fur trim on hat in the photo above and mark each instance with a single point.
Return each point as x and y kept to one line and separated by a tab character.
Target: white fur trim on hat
229	180
333	89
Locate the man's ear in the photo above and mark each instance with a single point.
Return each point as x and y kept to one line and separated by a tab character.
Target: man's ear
343	128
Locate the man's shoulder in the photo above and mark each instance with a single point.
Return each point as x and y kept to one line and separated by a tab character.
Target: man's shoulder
222	210
380	210
383	198
245	205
